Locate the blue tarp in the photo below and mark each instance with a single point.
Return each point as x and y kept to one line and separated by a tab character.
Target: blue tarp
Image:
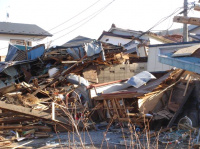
36	52
21	47
33	53
11	52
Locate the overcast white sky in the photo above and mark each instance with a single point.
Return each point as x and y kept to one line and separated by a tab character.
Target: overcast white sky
127	14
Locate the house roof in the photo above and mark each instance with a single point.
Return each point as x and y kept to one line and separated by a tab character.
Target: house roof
77	41
160	38
152	35
114	35
175	38
176	43
194	36
178	31
113	27
22	29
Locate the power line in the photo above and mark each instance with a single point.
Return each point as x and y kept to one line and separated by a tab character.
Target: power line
180	13
84	22
97	12
159	22
77	22
61	23
69	19
74	16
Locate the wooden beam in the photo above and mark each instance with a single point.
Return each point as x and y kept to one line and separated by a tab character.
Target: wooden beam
26	49
196	7
31	112
184	99
43	128
9	120
121	95
8	89
186	88
187	20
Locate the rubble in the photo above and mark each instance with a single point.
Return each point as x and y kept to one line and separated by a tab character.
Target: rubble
60	88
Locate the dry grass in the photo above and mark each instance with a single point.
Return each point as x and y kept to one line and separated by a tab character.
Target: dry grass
137	140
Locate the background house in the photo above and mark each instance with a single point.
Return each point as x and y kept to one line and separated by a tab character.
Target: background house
117	35
133	41
193	32
16	33
77	41
156	51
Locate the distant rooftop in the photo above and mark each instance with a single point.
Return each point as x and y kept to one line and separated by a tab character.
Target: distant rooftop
22	29
178	31
77	41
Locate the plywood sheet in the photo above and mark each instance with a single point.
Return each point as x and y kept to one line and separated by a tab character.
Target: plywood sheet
186	51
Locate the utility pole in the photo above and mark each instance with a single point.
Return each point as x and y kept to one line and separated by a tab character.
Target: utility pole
185	26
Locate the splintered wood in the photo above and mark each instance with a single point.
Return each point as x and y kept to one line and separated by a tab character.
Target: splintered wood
132	106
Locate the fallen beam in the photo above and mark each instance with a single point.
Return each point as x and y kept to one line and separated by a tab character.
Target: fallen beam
187	20
41	128
9	120
31	112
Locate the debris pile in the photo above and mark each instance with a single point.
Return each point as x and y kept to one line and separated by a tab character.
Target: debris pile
44	90
74	86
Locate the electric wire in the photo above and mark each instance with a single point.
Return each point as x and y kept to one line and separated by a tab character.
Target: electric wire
192	3
96	13
90	18
93	16
68	19
84	22
61	23
162	20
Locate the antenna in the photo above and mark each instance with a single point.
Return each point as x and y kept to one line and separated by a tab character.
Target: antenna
7	13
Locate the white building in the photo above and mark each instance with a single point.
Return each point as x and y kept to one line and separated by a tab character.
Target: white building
153	64
16	33
193	32
133	41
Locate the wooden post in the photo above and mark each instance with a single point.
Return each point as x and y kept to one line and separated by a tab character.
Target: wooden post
185	26
186	88
26	49
53	111
196	7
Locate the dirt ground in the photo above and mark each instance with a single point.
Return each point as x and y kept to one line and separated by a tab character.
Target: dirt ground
111	141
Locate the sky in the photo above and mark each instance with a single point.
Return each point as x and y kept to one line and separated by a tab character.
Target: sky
137	15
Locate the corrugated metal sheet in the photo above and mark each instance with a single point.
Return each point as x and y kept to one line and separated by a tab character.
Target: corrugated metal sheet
4	65
77	42
135	92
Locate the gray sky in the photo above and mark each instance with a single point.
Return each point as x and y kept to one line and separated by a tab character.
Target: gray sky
127	14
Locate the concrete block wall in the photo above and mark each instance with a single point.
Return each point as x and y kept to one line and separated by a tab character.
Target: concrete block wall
120	72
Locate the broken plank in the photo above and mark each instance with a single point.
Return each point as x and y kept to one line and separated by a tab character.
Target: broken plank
9	89
8	120
69	62
186	88
181	105
41	128
29	111
196	7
